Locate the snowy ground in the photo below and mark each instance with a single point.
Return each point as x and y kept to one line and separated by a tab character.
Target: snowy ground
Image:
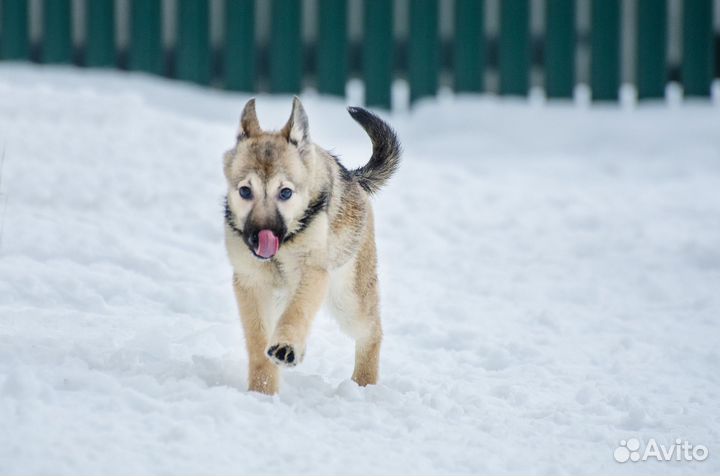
550	280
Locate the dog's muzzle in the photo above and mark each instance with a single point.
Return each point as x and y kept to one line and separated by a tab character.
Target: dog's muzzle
264	239
264	243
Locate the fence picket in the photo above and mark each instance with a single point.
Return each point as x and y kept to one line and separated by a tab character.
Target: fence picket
146	52
698	47
100	36
239	45
57	36
469	45
285	47
651	69
514	47
560	48
378	49
193	60
14	38
423	57
332	47
605	50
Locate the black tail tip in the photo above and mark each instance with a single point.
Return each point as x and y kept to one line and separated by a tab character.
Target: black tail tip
356	112
364	117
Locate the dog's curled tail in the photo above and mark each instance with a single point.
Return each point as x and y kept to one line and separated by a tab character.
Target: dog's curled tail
386	151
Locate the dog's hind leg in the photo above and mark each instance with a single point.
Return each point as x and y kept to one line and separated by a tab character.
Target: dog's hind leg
367	356
354	301
368	330
262	374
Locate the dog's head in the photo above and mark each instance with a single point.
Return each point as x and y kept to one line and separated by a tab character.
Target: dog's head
269	180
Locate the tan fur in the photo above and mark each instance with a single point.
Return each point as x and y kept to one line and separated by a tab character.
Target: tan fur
332	259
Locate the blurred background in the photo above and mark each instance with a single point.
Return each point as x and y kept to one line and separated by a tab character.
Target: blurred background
554	48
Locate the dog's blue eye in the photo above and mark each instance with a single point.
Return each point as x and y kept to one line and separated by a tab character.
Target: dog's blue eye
245	192
285	193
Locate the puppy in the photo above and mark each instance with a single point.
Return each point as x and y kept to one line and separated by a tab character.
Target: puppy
299	231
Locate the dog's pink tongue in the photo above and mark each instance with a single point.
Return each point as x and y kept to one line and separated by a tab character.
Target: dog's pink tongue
268	244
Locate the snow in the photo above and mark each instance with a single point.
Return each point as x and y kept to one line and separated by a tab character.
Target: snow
549	273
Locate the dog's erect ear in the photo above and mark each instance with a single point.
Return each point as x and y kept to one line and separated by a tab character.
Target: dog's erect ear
296	129
249	125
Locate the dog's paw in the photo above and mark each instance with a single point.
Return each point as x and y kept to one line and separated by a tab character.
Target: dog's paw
283	354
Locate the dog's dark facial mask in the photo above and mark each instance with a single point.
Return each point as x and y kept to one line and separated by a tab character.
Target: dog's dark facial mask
264	239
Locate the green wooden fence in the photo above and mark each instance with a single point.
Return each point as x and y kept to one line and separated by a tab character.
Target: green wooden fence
286	60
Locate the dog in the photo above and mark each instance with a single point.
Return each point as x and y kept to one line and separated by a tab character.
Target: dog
299	232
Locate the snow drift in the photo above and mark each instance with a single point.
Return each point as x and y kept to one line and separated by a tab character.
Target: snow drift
549	275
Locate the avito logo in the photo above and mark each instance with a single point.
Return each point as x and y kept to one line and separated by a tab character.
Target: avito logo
680	450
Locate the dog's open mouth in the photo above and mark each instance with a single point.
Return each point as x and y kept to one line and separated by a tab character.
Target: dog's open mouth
267	245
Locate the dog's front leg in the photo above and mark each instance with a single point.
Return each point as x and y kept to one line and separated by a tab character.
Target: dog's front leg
287	346
262	374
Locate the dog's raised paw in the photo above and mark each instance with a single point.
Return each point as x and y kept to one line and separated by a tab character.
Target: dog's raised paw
282	354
